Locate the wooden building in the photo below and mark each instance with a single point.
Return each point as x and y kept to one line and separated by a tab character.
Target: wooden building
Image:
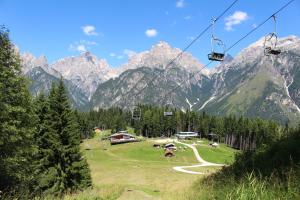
122	137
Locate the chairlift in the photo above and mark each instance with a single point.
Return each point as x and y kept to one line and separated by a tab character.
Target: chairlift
270	43
168	112
216	56
136	113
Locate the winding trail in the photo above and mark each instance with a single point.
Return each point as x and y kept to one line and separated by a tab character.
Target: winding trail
202	162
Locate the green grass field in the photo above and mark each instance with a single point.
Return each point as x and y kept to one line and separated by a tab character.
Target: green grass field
140	171
221	154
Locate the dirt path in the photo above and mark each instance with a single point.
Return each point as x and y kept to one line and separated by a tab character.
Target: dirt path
202	162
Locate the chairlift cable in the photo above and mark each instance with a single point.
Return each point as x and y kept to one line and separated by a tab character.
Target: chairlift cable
180	54
258	26
234	44
204	31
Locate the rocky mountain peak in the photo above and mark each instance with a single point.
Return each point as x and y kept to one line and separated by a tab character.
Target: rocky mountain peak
89	57
84	63
285	41
85	71
250	83
161	45
41	61
29	61
26	57
160	55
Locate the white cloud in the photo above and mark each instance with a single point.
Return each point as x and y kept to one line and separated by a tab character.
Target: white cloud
129	53
180	4
188	17
126	53
81	48
151	32
236	18
82	45
89	30
112	55
254	25
87	42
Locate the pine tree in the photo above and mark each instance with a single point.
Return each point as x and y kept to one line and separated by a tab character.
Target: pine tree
41	110
62	167
85	130
16	119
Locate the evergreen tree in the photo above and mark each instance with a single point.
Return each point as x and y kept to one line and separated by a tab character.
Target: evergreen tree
84	128
62	167
16	120
41	110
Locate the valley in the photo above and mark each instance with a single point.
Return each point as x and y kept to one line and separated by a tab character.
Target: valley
270	82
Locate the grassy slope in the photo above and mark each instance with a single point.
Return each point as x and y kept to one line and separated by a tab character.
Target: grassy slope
141	168
221	154
136	166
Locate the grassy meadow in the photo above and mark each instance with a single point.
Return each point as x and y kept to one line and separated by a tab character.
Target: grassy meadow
140	171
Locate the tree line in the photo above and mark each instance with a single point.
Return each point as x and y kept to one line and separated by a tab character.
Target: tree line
39	138
237	132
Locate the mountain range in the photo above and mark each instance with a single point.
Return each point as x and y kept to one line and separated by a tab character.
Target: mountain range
249	84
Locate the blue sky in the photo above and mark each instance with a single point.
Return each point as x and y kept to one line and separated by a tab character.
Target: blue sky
113	29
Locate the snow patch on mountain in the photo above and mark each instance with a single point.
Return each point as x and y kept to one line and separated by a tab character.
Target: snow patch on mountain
286	86
190	104
206	102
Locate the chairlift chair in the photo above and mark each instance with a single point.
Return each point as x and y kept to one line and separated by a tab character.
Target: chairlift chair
136	113
216	56
270	47
168	112
270	43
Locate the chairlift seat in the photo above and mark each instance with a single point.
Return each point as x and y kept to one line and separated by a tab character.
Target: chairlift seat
167	114
273	51
216	56
136	113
